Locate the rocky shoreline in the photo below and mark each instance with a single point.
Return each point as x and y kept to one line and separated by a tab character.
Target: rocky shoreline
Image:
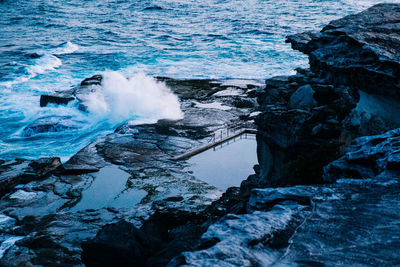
316	197
41	197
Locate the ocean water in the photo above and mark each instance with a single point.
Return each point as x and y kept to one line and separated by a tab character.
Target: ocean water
52	45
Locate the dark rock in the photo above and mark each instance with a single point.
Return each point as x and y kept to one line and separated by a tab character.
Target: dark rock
119	244
321	109
94	80
150	8
182	238
165	235
191	89
360	51
56	99
34	55
243	103
368	157
23	171
230	202
78	93
303	98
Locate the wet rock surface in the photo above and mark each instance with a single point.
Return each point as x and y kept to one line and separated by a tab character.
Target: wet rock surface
43	199
20	171
351	222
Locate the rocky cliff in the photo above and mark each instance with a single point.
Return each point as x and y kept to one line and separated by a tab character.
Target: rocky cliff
345	212
350	90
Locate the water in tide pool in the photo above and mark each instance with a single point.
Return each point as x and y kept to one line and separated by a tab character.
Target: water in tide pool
225	165
52	45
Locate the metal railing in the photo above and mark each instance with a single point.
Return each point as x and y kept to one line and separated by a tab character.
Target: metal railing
232	131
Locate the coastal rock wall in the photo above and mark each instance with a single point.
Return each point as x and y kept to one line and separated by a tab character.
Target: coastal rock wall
351	89
360	51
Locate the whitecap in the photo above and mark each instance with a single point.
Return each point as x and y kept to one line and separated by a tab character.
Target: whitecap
66	48
43	64
47	62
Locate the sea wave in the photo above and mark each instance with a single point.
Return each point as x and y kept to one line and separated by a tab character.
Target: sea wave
43	62
140	96
66	48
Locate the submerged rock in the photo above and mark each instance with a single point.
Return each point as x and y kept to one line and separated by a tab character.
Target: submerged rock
49	124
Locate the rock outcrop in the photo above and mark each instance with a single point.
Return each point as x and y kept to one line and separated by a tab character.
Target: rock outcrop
368	157
351	89
360	51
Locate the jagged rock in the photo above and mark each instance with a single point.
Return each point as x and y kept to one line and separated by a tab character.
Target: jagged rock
47	211
321	108
368	157
23	171
94	80
258	237
79	93
360	51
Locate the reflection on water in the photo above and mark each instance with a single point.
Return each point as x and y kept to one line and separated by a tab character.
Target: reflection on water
109	190
228	164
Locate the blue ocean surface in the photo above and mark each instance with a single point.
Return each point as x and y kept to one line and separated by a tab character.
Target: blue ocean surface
47	46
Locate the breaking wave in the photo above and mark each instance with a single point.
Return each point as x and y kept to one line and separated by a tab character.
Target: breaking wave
120	99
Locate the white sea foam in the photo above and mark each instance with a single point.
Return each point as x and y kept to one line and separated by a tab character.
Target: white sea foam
47	62
67	48
43	64
120	99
